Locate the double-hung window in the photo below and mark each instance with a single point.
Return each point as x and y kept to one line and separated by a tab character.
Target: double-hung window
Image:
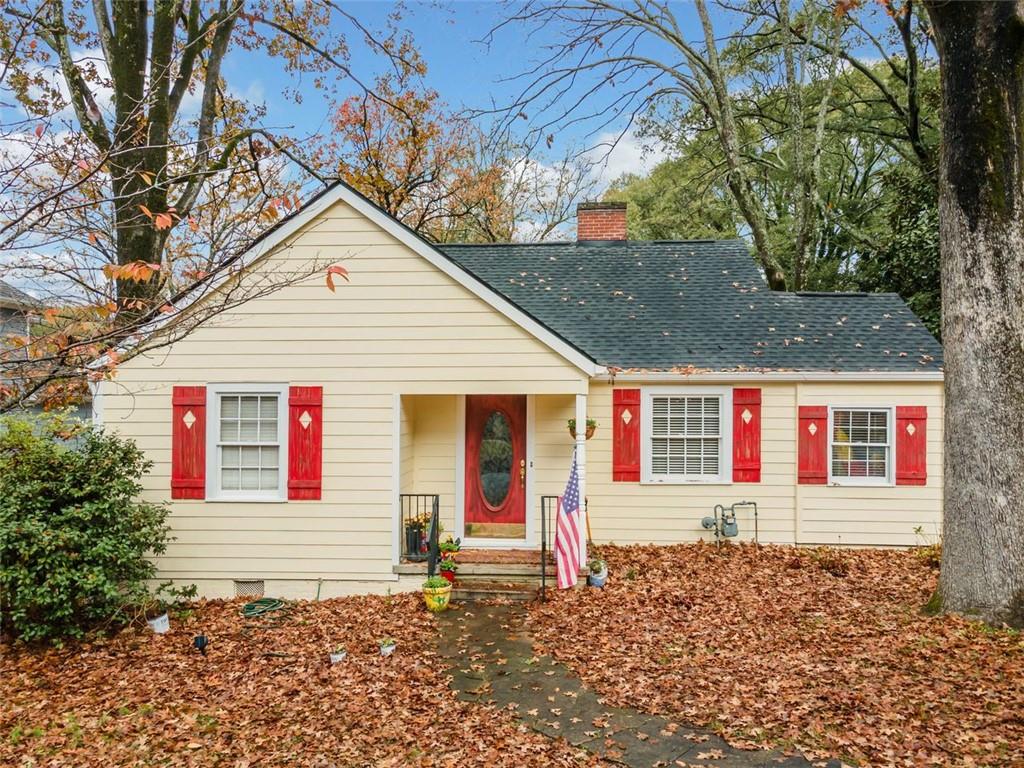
860	446
686	435
247	438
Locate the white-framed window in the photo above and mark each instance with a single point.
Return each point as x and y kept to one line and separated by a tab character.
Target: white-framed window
686	435
247	442
860	445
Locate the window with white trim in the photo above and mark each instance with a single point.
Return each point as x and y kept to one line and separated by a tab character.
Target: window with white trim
860	445
685	436
248	431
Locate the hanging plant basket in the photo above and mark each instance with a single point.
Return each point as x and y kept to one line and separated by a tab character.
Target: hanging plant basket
591	428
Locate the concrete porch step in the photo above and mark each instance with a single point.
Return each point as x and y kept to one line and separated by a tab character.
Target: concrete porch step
486	574
474	589
501	570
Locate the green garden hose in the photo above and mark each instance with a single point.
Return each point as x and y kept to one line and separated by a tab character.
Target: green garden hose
261	607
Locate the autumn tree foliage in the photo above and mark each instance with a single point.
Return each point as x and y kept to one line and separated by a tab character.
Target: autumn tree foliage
435	170
408	153
131	172
762	101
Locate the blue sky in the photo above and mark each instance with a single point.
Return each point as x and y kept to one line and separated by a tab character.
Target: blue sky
461	68
468	73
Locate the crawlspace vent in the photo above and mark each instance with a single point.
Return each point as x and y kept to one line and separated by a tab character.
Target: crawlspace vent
248	587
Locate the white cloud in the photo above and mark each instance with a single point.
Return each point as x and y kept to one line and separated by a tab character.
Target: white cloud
617	154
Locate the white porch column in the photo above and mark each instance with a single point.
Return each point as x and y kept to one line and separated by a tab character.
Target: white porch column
581	468
396	479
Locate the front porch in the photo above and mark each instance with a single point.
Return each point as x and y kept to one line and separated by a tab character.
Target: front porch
489	467
483	573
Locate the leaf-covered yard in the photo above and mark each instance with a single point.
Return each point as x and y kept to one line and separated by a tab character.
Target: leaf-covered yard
776	646
264	695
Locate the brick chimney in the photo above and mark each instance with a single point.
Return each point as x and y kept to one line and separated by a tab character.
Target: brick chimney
600	221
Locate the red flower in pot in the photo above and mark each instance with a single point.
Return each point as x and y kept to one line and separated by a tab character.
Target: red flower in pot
448	568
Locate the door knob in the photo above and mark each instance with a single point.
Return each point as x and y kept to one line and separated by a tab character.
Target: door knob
522	473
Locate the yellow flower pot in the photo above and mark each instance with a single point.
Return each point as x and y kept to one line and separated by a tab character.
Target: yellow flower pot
437	598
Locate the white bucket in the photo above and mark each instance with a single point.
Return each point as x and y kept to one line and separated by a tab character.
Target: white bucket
160	624
337	658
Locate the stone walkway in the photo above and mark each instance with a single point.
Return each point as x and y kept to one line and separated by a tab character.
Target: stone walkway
492	661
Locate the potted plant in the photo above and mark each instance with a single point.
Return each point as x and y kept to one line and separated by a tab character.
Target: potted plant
156	616
387	646
449	547
437	593
338	654
448	567
597	571
414	527
591	428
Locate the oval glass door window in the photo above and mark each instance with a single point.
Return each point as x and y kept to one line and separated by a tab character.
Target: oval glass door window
496	459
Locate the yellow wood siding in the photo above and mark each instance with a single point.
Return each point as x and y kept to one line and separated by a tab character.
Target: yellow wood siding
404	328
552	448
787	512
400	326
434	431
875	515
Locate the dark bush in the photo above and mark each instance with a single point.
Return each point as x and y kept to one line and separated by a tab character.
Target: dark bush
74	538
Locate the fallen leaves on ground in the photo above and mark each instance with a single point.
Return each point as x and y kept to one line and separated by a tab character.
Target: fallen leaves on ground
772	648
265	695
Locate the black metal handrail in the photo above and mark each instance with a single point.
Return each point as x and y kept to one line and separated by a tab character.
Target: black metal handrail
548	513
419	525
434	539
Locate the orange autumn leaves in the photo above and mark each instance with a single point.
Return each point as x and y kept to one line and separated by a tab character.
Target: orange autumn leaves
264	694
415	159
771	647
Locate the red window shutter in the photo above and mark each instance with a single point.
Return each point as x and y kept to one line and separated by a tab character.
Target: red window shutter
305	442
746	435
812	445
911	445
626	435
188	443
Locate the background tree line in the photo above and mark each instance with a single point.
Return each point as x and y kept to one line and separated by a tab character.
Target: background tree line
837	137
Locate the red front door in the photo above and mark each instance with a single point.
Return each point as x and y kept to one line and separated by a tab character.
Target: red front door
496	466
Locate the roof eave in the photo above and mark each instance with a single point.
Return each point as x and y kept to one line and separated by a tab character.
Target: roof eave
745	375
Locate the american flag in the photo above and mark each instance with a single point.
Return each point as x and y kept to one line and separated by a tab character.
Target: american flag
567	538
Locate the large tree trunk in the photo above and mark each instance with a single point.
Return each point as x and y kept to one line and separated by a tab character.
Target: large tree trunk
981	209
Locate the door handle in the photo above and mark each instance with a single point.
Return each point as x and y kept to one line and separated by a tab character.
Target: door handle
522	473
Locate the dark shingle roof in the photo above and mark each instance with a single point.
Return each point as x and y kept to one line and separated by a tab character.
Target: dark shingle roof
702	304
12	297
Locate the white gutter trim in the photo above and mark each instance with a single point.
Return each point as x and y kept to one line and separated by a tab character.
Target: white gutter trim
727	376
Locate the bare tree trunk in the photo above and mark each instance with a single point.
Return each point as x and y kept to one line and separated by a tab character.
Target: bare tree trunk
981	209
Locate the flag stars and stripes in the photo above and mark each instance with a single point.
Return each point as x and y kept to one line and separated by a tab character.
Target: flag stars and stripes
567	539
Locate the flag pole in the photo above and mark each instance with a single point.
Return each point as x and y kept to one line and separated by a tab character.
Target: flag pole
581	468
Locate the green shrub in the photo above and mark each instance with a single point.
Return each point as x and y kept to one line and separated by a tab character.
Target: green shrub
73	538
